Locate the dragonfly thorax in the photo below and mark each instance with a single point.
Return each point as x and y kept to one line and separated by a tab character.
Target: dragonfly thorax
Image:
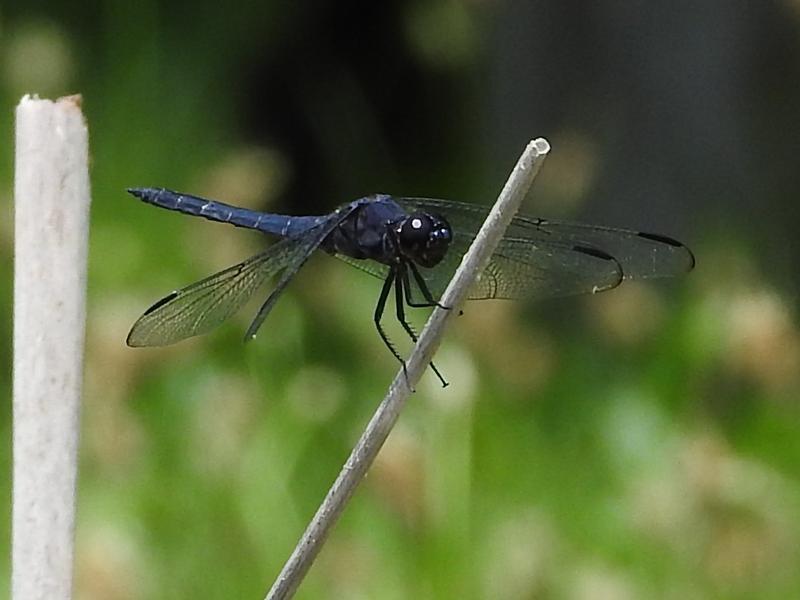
423	238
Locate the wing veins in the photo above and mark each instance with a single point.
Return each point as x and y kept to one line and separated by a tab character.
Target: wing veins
182	309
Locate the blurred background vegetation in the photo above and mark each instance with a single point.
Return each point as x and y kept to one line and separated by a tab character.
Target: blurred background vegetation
643	443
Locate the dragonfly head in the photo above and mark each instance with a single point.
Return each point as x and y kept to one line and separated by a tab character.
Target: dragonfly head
424	238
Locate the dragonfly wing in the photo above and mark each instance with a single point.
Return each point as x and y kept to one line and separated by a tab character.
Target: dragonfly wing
375	269
641	255
539	258
517	270
301	251
202	306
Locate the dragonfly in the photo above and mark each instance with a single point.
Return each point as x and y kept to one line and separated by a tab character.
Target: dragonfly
414	245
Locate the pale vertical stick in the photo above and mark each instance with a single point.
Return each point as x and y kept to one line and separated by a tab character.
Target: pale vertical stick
365	451
51	225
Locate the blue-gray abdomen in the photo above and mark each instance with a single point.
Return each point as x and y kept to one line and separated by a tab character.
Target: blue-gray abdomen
225	213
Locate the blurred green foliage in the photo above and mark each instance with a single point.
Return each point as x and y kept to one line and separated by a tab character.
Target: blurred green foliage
644	443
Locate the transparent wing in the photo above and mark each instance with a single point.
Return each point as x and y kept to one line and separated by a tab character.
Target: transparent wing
538	258
641	255
202	306
516	271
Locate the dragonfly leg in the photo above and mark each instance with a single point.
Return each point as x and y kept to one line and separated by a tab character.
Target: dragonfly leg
423	287
387	286
400	286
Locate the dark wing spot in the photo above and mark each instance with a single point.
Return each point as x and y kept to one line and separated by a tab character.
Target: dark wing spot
670	242
660	238
602	255
596	252
160	303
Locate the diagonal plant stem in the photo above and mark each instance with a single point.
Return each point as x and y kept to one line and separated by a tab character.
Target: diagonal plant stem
376	432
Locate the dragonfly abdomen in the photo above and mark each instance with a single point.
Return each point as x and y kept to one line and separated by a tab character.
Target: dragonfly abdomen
225	213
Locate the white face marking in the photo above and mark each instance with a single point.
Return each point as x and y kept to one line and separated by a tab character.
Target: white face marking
416	223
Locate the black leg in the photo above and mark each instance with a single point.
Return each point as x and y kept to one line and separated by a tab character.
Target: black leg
423	287
387	286
400	286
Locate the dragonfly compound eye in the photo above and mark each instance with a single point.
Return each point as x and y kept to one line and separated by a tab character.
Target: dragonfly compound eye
424	238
